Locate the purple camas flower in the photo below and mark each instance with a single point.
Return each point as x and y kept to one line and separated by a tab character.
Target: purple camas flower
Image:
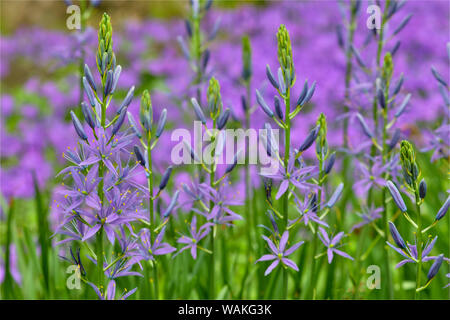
111	292
194	238
410	253
370	178
439	143
331	244
146	250
307	210
368	216
222	200
293	175
279	253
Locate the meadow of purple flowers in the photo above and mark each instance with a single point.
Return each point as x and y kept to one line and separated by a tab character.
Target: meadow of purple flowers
86	174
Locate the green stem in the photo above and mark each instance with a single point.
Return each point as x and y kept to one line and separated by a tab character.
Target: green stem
389	287
211	205
313	275
248	206
419	244
287	146
364	236
99	236
7	286
151	209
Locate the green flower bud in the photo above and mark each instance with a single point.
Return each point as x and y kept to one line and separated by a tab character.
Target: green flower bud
321	142
409	165
105	45
285	49
146	111
214	98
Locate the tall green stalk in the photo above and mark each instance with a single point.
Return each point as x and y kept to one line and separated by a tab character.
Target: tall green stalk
287	145
419	244
313	275
151	209
212	244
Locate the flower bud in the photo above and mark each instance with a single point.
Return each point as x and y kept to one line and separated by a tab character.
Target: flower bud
408	160
188	26
271	78
205	59
139	156
198	110
394	140
89	93
443	210
422	189
133	125
126	102
78	127
146	111
438	77
161	123
172	204
309	94
396	196
116	77
381	98
165	178
244	103
85	109
232	165
119	122
223	118
364	126
309	140
108	83
89	77
330	163
396	236
213	97
284	48
434	269
281	81
402	106
335	196
263	104
303	93
278	109
398	86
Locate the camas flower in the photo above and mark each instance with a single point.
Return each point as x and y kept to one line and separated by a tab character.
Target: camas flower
294	176
103	149
370	178
192	241
83	185
330	244
220	213
280	253
147	250
111	292
368	216
307	210
439	143
410	253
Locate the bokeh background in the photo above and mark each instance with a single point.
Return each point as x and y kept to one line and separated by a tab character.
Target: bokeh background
40	64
